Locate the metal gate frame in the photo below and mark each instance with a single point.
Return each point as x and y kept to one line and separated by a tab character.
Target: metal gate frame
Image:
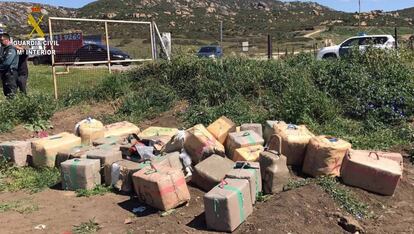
154	34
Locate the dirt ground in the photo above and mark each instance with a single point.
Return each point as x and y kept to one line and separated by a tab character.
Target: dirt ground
304	210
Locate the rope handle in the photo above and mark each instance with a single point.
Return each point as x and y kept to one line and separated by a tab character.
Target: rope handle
369	155
223	183
246	134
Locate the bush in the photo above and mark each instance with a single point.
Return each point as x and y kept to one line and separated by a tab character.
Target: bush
376	85
31	109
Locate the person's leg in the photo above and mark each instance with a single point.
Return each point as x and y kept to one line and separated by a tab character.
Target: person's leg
22	83
10	84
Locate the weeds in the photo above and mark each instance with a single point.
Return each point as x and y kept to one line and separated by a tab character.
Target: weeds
27	178
87	227
22	207
99	190
341	195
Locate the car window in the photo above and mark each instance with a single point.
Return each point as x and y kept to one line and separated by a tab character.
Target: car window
208	50
351	42
366	41
380	40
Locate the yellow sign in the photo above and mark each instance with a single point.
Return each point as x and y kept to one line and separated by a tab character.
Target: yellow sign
35	25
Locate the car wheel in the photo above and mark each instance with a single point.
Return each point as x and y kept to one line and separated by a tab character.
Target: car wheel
36	61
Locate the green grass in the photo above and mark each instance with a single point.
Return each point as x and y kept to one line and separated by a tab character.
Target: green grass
41	80
339	193
99	190
20	206
86	227
28	179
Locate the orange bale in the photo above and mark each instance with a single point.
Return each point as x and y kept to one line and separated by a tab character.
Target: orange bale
163	187
369	171
221	128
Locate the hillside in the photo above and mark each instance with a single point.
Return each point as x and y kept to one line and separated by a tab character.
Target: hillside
13	15
201	19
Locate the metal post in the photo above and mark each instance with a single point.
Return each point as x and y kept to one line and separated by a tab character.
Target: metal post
396	37
359	13
269	47
221	33
53	60
278	53
152	40
108	51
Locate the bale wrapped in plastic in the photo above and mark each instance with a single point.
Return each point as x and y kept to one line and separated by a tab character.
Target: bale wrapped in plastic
256	127
75	152
200	144
324	156
248	171
80	173
242	139
274	171
228	205
294	140
121	129
163	188
249	153
16	152
89	130
211	171
158	131
369	171
44	150
221	128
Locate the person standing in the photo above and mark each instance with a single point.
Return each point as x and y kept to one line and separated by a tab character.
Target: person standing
9	63
22	70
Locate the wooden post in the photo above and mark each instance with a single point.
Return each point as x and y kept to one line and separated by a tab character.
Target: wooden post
108	51
269	47
278	53
396	37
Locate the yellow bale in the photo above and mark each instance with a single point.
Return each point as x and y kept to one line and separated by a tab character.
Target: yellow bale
158	131
45	149
200	144
91	130
121	129
249	154
221	128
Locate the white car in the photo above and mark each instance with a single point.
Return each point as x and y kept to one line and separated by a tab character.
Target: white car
377	41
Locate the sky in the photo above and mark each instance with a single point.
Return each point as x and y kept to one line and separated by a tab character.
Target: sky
343	5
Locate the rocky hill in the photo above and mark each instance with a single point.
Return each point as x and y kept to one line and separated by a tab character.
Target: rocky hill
201	19
13	15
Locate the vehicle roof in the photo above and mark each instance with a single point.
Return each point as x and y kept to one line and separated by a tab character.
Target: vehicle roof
379	35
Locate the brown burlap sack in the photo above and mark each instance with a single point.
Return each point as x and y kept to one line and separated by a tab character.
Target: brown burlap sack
293	139
324	156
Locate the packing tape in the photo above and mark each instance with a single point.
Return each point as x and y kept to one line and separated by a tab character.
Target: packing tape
73	174
239	198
